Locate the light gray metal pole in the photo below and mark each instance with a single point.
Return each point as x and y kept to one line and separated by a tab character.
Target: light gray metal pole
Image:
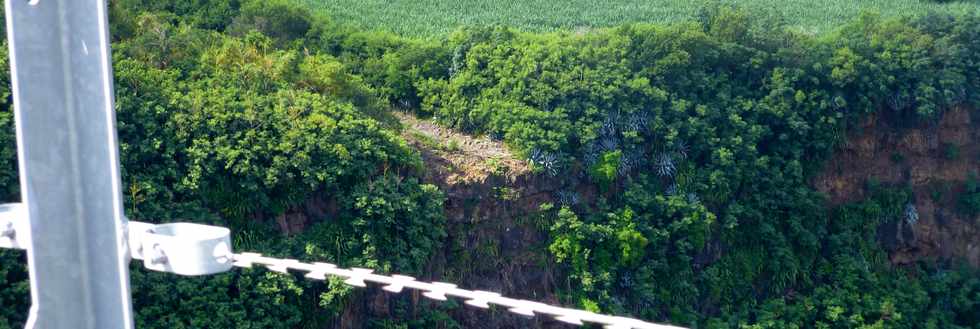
69	164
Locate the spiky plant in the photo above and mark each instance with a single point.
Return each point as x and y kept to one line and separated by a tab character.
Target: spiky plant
681	149
899	100
634	157
636	122
693	198
546	160
911	214
626	280
590	153
609	143
608	127
664	165
839	103
567	198
626	165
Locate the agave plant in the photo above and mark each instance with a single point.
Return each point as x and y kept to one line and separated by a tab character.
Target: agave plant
664	165
609	125
839	102
671	190
911	214
608	130
567	198
535	154
693	198
626	280
899	100
637	122
609	143
626	165
590	153
681	149
956	95
547	160
632	158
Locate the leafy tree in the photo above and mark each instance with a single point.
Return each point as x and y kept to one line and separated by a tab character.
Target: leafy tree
208	14
282	20
8	151
970	199
14	289
605	170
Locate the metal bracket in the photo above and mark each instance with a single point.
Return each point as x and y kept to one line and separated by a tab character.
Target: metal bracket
15	230
181	248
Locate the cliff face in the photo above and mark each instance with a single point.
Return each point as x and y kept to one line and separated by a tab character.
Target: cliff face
935	161
497	241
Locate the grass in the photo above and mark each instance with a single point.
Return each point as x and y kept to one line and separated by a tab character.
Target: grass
439	17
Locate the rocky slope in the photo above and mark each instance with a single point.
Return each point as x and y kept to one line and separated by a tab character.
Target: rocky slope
492	200
935	160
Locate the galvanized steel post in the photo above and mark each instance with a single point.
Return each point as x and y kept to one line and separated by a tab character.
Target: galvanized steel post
69	163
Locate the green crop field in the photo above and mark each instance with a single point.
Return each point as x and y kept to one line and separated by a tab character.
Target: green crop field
437	17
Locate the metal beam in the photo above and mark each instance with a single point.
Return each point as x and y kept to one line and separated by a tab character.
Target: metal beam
69	163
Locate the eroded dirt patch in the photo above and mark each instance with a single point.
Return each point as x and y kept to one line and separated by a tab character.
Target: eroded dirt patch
456	158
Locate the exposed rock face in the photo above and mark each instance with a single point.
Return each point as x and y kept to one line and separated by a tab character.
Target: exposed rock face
296	219
494	243
492	198
935	161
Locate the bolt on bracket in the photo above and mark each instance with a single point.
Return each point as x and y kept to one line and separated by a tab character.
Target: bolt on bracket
181	248
15	229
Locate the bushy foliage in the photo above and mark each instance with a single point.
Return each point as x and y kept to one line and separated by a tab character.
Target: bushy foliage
8	140
741	113
209	14
632	259
853	285
229	300
281	20
14	289
970	199
240	112
605	169
236	129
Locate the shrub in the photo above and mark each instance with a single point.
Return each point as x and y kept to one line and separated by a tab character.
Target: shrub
951	151
282	20
604	171
970	198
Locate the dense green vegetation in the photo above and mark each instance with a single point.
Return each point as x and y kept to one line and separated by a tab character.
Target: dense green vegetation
440	17
700	135
716	128
229	129
970	199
